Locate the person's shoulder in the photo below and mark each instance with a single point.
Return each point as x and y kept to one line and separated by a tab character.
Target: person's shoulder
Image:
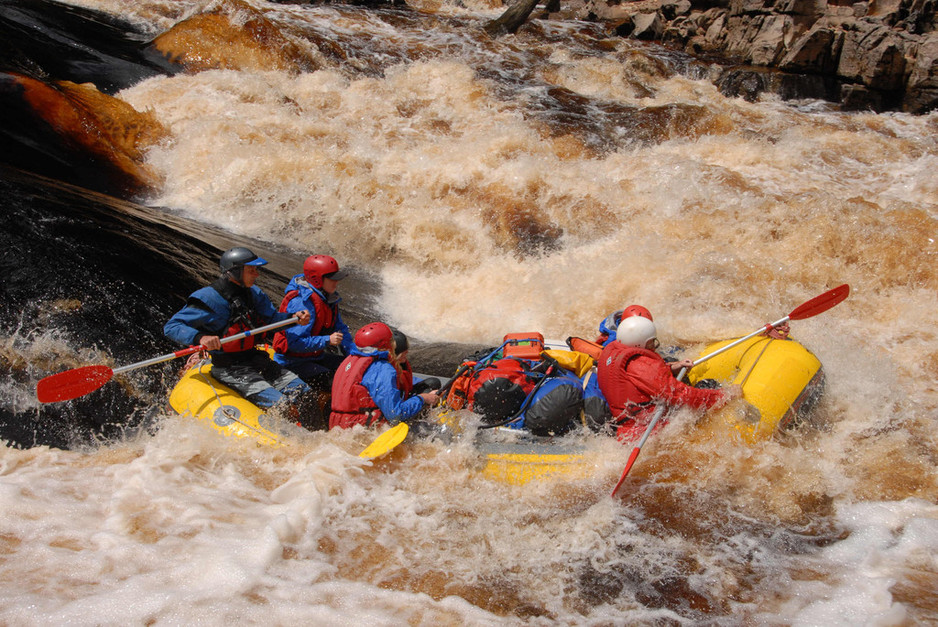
295	284
257	291
383	368
203	296
202	291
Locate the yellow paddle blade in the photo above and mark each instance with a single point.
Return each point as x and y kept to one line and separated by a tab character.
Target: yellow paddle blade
385	442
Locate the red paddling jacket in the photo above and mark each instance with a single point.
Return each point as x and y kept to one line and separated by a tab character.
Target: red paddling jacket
634	379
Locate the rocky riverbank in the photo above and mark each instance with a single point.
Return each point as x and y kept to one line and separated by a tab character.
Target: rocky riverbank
879	55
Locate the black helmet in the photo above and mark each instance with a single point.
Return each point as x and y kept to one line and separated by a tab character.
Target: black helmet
238	257
400	341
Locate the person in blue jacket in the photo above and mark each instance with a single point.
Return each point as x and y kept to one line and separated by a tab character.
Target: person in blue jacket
370	387
230	305
305	349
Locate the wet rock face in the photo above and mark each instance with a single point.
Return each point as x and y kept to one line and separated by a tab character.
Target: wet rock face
77	133
883	55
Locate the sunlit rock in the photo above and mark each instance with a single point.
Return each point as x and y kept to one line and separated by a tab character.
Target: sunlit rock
880	51
233	36
96	132
922	88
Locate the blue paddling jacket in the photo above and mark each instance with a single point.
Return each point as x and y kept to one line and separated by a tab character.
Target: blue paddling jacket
219	309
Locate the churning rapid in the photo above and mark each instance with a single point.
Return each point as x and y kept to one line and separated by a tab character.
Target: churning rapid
535	182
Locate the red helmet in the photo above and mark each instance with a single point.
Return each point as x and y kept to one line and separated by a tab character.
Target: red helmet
636	310
376	335
318	266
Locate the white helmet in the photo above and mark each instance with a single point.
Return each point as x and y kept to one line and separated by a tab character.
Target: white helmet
636	331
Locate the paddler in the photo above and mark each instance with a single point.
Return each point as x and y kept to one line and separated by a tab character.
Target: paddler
370	387
230	305
633	378
405	372
304	348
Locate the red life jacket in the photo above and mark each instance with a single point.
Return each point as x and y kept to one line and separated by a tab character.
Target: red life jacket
618	387
405	378
241	316
324	324
634	379
351	403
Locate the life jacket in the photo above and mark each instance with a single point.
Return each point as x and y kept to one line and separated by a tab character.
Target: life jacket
625	400
324	323
405	378
241	316
351	402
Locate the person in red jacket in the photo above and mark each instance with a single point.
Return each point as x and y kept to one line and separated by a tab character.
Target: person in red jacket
634	378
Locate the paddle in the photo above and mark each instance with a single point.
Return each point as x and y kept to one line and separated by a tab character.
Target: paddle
385	442
77	382
813	307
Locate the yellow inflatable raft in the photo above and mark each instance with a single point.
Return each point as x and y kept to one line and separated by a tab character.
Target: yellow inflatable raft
781	381
199	396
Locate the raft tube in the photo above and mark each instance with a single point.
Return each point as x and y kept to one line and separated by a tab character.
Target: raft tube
516	457
200	396
781	381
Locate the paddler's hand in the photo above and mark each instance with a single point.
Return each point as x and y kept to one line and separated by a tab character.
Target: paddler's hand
780	332
336	338
430	398
677	365
303	317
210	343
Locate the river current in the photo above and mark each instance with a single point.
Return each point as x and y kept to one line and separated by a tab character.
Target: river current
480	187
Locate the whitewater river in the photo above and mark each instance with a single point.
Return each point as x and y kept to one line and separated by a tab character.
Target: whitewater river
534	182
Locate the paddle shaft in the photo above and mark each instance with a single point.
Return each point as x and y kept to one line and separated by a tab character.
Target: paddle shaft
813	307
70	384
734	343
196	348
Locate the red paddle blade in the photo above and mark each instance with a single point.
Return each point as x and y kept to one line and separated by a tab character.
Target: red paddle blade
628	467
820	304
70	384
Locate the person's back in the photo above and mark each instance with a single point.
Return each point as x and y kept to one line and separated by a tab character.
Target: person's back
633	378
369	388
303	348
